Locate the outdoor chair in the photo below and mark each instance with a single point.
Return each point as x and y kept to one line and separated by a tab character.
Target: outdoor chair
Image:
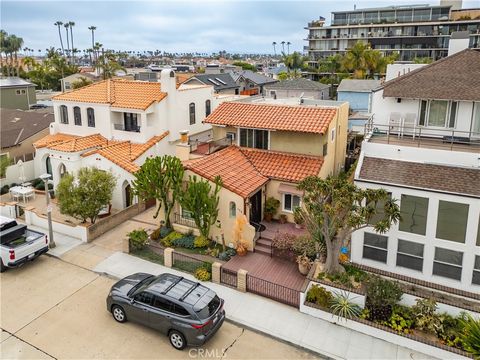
395	123
409	125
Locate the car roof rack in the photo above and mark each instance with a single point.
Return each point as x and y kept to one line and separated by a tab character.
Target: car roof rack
189	291
164	292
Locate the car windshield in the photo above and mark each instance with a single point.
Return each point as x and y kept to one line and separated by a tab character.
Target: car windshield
144	282
210	309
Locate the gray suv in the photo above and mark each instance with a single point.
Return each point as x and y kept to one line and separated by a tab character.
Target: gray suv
188	312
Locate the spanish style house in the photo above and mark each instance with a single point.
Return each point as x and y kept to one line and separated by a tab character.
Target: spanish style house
271	147
116	124
423	147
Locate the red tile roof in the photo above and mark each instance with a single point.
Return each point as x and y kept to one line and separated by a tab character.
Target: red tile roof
283	166
118	93
53	139
244	170
299	118
80	143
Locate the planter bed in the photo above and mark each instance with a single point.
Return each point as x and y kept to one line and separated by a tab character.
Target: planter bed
382	332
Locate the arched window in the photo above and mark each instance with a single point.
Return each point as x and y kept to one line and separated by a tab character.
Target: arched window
62	170
77	116
208	109
63	114
192	113
91	117
232	207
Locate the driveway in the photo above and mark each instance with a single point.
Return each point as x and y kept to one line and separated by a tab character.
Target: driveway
51	308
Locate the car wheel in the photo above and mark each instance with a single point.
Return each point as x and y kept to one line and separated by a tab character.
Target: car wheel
2	267
119	314
177	339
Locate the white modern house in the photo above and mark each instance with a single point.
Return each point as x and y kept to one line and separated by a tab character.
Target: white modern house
116	124
423	147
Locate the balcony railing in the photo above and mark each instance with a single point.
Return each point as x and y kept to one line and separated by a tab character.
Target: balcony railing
179	219
420	136
133	128
206	148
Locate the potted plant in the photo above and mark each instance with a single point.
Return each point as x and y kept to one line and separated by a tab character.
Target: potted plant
271	208
283	218
298	217
304	264
242	248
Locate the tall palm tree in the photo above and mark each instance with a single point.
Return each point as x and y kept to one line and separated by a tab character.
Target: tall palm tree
355	60
274	50
288	47
58	24
67	25
71	25
283	46
3	47
92	29
16	43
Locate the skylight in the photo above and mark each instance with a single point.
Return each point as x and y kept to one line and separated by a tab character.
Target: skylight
213	82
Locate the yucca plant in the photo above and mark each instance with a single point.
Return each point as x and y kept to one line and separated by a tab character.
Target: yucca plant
342	306
471	334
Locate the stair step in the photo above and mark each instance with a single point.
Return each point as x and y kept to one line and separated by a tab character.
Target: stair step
263	251
262	241
269	235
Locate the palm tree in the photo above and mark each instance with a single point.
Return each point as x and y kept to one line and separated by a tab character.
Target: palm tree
96	50
283	46
67	25
3	47
288	47
274	50
92	29
58	24
109	65
71	25
355	60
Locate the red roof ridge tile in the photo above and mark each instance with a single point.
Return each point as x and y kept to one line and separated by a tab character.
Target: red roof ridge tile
285	153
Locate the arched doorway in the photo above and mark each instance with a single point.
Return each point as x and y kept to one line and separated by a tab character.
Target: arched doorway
127	193
62	170
48	166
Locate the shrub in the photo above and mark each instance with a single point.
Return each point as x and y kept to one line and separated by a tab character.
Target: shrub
298	216
284	241
207	265
426	317
164	231
357	274
305	245
451	330
401	319
185	242
41	186
4	189
168	240
231	252
201	241
343	307
319	295
155	235
224	256
36	181
137	239
212	252
202	274
271	206
382	294
471	335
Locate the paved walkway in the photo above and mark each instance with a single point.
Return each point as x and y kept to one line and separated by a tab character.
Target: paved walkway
278	320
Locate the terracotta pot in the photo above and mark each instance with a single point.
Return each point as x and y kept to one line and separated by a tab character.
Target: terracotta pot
283	219
304	269
268	217
241	251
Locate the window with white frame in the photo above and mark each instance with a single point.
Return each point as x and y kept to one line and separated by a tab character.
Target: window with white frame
186	214
476	271
410	255
438	113
77	116
413	212
448	263
232	209
375	247
254	138
290	202
452	221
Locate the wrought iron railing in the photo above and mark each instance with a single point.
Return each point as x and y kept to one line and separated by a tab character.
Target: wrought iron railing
228	277
273	291
210	147
179	219
133	128
187	263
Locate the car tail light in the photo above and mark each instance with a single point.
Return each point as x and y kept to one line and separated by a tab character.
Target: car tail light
200	326
12	254
46	239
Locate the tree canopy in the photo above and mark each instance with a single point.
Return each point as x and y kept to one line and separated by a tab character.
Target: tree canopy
84	195
337	207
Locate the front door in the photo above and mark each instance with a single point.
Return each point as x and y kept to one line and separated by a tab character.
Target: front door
128	195
256	207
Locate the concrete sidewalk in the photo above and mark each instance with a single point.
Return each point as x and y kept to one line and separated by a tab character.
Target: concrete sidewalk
63	242
275	319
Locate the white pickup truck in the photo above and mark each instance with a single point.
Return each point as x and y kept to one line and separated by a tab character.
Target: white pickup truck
19	244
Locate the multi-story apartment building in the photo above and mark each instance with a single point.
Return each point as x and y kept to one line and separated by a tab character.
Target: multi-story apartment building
412	31
423	147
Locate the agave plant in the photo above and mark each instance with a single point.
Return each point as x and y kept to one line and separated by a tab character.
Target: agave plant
342	306
471	334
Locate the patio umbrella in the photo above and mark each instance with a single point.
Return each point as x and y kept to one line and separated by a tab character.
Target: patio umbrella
21	172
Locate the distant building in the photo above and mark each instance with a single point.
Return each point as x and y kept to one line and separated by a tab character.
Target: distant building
413	31
67	81
298	88
16	93
251	83
222	83
20	129
358	93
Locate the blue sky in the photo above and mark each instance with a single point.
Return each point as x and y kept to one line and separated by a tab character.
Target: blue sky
176	26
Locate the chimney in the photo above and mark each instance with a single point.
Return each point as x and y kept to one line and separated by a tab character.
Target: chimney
458	41
182	149
168	81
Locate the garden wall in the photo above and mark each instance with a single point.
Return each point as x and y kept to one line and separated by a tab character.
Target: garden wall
377	332
13	173
101	226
